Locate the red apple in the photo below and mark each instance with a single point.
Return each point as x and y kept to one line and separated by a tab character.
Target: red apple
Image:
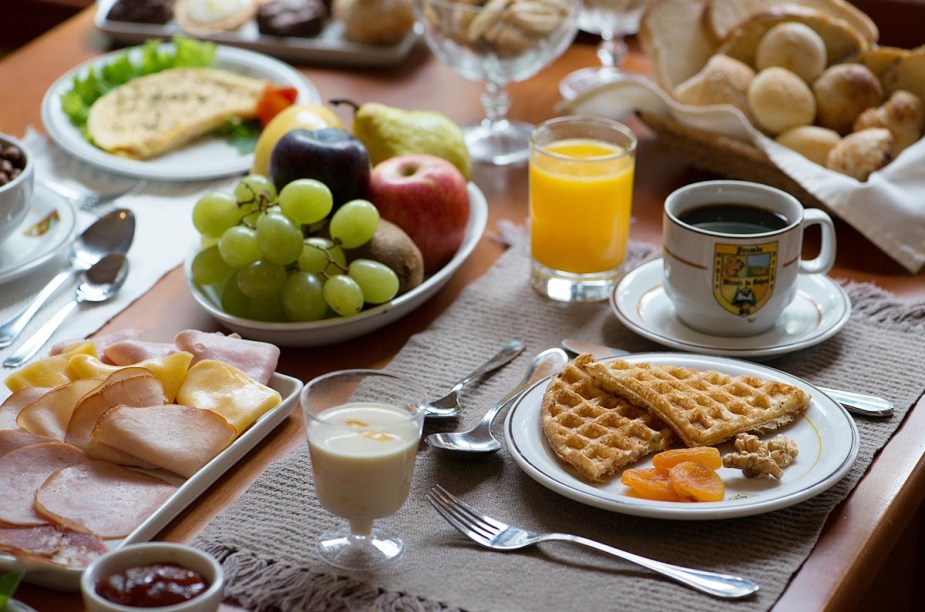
427	197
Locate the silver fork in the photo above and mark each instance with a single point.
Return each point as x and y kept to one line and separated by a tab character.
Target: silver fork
494	534
86	200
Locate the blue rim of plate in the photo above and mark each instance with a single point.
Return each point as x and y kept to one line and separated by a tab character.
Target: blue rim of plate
574	488
715	348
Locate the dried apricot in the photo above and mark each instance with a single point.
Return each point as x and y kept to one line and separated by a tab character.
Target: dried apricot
697	482
650	483
704	455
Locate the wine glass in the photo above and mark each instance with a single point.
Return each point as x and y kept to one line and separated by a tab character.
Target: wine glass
613	20
499	42
363	428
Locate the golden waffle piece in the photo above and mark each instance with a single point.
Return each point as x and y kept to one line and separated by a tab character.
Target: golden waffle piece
595	431
704	408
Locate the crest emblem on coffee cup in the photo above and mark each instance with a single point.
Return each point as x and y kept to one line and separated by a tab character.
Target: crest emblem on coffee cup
743	276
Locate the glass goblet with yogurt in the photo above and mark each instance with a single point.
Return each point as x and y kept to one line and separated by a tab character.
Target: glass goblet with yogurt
363	429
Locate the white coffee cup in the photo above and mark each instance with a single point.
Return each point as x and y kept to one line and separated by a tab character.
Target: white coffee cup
732	270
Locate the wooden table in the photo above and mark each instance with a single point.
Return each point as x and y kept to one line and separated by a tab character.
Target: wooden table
871	531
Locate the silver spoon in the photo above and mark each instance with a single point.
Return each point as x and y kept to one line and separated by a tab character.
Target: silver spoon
479	439
448	405
112	233
98	284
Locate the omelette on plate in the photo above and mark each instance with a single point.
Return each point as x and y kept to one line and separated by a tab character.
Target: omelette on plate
161	112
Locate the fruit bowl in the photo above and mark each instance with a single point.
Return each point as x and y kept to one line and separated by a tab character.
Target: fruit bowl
331	331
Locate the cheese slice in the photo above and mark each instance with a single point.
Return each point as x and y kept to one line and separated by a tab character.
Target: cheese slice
161	112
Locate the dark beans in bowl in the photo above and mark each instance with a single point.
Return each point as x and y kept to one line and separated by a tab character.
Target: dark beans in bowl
12	162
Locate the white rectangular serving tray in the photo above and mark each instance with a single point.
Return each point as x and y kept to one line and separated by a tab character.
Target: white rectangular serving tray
68	578
329	47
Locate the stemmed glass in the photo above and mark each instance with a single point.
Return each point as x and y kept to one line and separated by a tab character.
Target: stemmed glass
363	429
499	42
613	20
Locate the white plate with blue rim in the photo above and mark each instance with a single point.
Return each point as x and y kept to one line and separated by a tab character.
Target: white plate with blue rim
818	311
45	233
825	433
211	156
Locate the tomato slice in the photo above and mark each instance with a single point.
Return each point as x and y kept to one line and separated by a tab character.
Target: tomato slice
273	101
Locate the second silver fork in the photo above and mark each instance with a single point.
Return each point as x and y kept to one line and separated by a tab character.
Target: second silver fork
494	534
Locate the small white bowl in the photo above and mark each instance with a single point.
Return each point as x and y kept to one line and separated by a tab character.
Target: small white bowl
135	555
15	195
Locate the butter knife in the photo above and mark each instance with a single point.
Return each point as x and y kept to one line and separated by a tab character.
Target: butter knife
858	403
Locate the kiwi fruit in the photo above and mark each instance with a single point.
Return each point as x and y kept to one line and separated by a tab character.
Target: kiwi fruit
393	247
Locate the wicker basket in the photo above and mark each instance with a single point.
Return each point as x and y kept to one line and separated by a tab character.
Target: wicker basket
725	156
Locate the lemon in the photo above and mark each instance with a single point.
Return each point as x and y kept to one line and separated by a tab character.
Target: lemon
308	116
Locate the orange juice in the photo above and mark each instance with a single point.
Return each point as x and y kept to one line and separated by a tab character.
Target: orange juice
580	198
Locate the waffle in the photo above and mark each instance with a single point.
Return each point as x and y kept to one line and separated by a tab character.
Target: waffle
704	408
595	431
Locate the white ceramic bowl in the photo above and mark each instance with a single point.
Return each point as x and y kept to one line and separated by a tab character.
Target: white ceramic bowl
135	555
341	329
15	195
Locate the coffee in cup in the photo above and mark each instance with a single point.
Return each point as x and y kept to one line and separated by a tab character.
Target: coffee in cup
732	254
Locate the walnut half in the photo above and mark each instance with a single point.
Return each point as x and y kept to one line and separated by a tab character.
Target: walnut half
756	457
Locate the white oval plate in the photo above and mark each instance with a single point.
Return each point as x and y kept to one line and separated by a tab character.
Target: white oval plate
21	253
331	331
819	310
207	157
188	490
826	436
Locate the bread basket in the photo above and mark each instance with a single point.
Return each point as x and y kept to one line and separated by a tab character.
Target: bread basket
724	156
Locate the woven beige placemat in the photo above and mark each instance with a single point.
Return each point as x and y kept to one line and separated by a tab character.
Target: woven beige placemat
266	538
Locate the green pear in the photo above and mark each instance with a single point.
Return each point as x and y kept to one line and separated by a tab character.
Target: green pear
388	131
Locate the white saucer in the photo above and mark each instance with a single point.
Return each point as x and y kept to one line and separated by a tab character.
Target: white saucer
819	310
21	253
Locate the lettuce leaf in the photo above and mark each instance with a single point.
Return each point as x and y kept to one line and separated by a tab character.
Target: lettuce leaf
8	584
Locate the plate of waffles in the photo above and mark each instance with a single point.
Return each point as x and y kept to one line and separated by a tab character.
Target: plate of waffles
598	433
818	311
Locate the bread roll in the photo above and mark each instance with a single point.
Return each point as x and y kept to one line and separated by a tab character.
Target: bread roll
722	81
780	100
861	153
810	141
674	36
902	114
793	46
842	93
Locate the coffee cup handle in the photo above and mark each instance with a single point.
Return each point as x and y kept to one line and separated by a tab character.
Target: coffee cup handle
823	262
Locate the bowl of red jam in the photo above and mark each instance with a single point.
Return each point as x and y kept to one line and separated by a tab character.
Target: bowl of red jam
158	576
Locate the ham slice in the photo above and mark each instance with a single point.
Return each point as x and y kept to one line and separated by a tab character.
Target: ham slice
177	438
128	386
256	359
11	439
112	500
51	543
11	406
99	342
128	352
50	414
23	471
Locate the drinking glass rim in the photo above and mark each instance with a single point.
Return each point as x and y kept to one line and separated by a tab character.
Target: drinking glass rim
420	403
602	121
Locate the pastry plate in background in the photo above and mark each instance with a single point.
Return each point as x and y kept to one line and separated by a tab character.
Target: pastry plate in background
825	434
329	47
341	329
819	310
45	233
68	578
205	158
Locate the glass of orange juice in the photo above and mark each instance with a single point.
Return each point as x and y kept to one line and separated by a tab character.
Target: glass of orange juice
581	194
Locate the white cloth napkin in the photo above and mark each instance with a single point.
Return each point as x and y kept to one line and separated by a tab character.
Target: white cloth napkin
164	235
888	209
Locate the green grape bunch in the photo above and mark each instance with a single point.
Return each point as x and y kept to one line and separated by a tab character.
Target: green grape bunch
281	256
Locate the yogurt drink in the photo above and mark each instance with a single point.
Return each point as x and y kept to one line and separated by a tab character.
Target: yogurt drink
362	457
